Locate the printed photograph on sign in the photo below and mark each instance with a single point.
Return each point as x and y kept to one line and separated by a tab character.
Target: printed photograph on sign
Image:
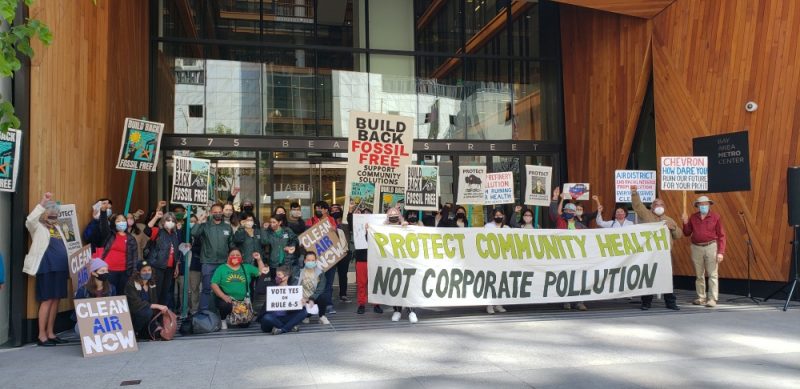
644	180
379	150
471	185
684	173
190	181
499	188
68	221
576	191
104	326
10	146
362	196
284	298
422	188
387	197
141	141
537	185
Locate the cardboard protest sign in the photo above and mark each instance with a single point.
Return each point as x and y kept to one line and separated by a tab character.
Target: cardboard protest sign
284	298
728	160
387	197
78	272
325	240
190	181
68	221
141	141
470	185
684	173
360	221
422	188
105	326
379	149
644	180
499	188
479	266
362	196
10	154
537	188
579	191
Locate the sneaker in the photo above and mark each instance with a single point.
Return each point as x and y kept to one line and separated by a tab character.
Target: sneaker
306	320
567	306
499	308
581	306
377	309
345	299
711	303
490	309
412	317
224	325
396	316
324	320
360	310
645	307
277	331
295	329
699	302
330	309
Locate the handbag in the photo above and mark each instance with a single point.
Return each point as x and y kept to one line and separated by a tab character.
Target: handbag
204	322
242	311
166	328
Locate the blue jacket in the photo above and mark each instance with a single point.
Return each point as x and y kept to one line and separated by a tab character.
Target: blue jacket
2	270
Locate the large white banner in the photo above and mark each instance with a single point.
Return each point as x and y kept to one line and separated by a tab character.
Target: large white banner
431	267
470	185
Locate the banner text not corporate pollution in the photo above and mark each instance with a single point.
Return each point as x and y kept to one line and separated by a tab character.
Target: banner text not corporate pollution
459	283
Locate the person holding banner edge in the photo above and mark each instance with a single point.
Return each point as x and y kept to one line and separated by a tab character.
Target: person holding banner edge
362	270
393	218
564	216
498	221
708	249
653	215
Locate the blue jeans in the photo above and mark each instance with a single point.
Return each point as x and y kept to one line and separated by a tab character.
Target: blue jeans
330	275
292	318
205	295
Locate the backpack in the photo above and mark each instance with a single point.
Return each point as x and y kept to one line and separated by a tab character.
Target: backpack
166	329
204	322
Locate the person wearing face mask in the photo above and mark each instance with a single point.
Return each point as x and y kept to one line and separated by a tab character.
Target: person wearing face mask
195	270
295	219
91	232
585	217
165	256
47	260
136	230
120	250
362	271
248	239
523	218
393	219
247	209
708	238
321	211
620	218
227	212
231	281
498	220
443	218
278	322
278	237
215	238
142	294
653	215
343	266
461	218
564	214
313	281
412	218
97	286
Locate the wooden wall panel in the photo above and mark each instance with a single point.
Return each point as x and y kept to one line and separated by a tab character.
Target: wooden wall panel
606	68
638	8
709	59
82	87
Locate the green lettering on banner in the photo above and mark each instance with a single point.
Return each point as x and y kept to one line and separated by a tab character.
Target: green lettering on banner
483	253
506	245
627	244
436	246
581	239
523	248
538	251
549	246
662	239
648	239
381	240
412	245
397	245
568	241
606	249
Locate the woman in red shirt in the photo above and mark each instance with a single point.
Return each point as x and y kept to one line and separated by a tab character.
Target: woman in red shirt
121	251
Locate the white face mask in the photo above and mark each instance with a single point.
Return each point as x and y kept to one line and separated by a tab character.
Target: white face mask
527	219
247	224
169	225
658	211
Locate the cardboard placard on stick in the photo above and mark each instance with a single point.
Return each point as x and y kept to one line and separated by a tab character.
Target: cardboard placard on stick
644	180
141	141
471	181
684	173
422	188
191	178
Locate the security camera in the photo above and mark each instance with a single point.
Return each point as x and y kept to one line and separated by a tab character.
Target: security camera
751	106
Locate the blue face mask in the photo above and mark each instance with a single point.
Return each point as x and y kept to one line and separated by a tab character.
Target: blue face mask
310	265
146	276
704	209
108	212
122	226
567	216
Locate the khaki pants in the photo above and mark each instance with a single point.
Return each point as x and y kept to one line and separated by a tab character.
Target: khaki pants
194	290
705	264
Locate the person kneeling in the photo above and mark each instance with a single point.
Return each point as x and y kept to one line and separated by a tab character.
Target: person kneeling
231	285
279	322
142	296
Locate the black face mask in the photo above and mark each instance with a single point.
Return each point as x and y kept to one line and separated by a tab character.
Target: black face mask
318	214
412	219
337	215
102	277
248	209
461	216
394	219
498	220
217	216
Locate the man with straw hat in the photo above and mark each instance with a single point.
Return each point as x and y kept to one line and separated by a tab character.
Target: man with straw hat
708	249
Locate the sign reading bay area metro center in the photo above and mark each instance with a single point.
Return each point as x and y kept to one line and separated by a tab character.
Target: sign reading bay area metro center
438	267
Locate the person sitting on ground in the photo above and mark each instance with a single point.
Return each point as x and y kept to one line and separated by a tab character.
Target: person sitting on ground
231	281
279	322
142	293
312	279
97	286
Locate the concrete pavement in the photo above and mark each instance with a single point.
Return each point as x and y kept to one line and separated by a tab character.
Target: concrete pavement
732	346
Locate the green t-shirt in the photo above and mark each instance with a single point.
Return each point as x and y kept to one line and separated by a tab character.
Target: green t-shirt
234	283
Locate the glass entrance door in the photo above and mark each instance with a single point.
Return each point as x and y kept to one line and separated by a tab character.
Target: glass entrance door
301	181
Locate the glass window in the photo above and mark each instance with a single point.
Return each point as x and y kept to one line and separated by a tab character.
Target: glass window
438	27
391	24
